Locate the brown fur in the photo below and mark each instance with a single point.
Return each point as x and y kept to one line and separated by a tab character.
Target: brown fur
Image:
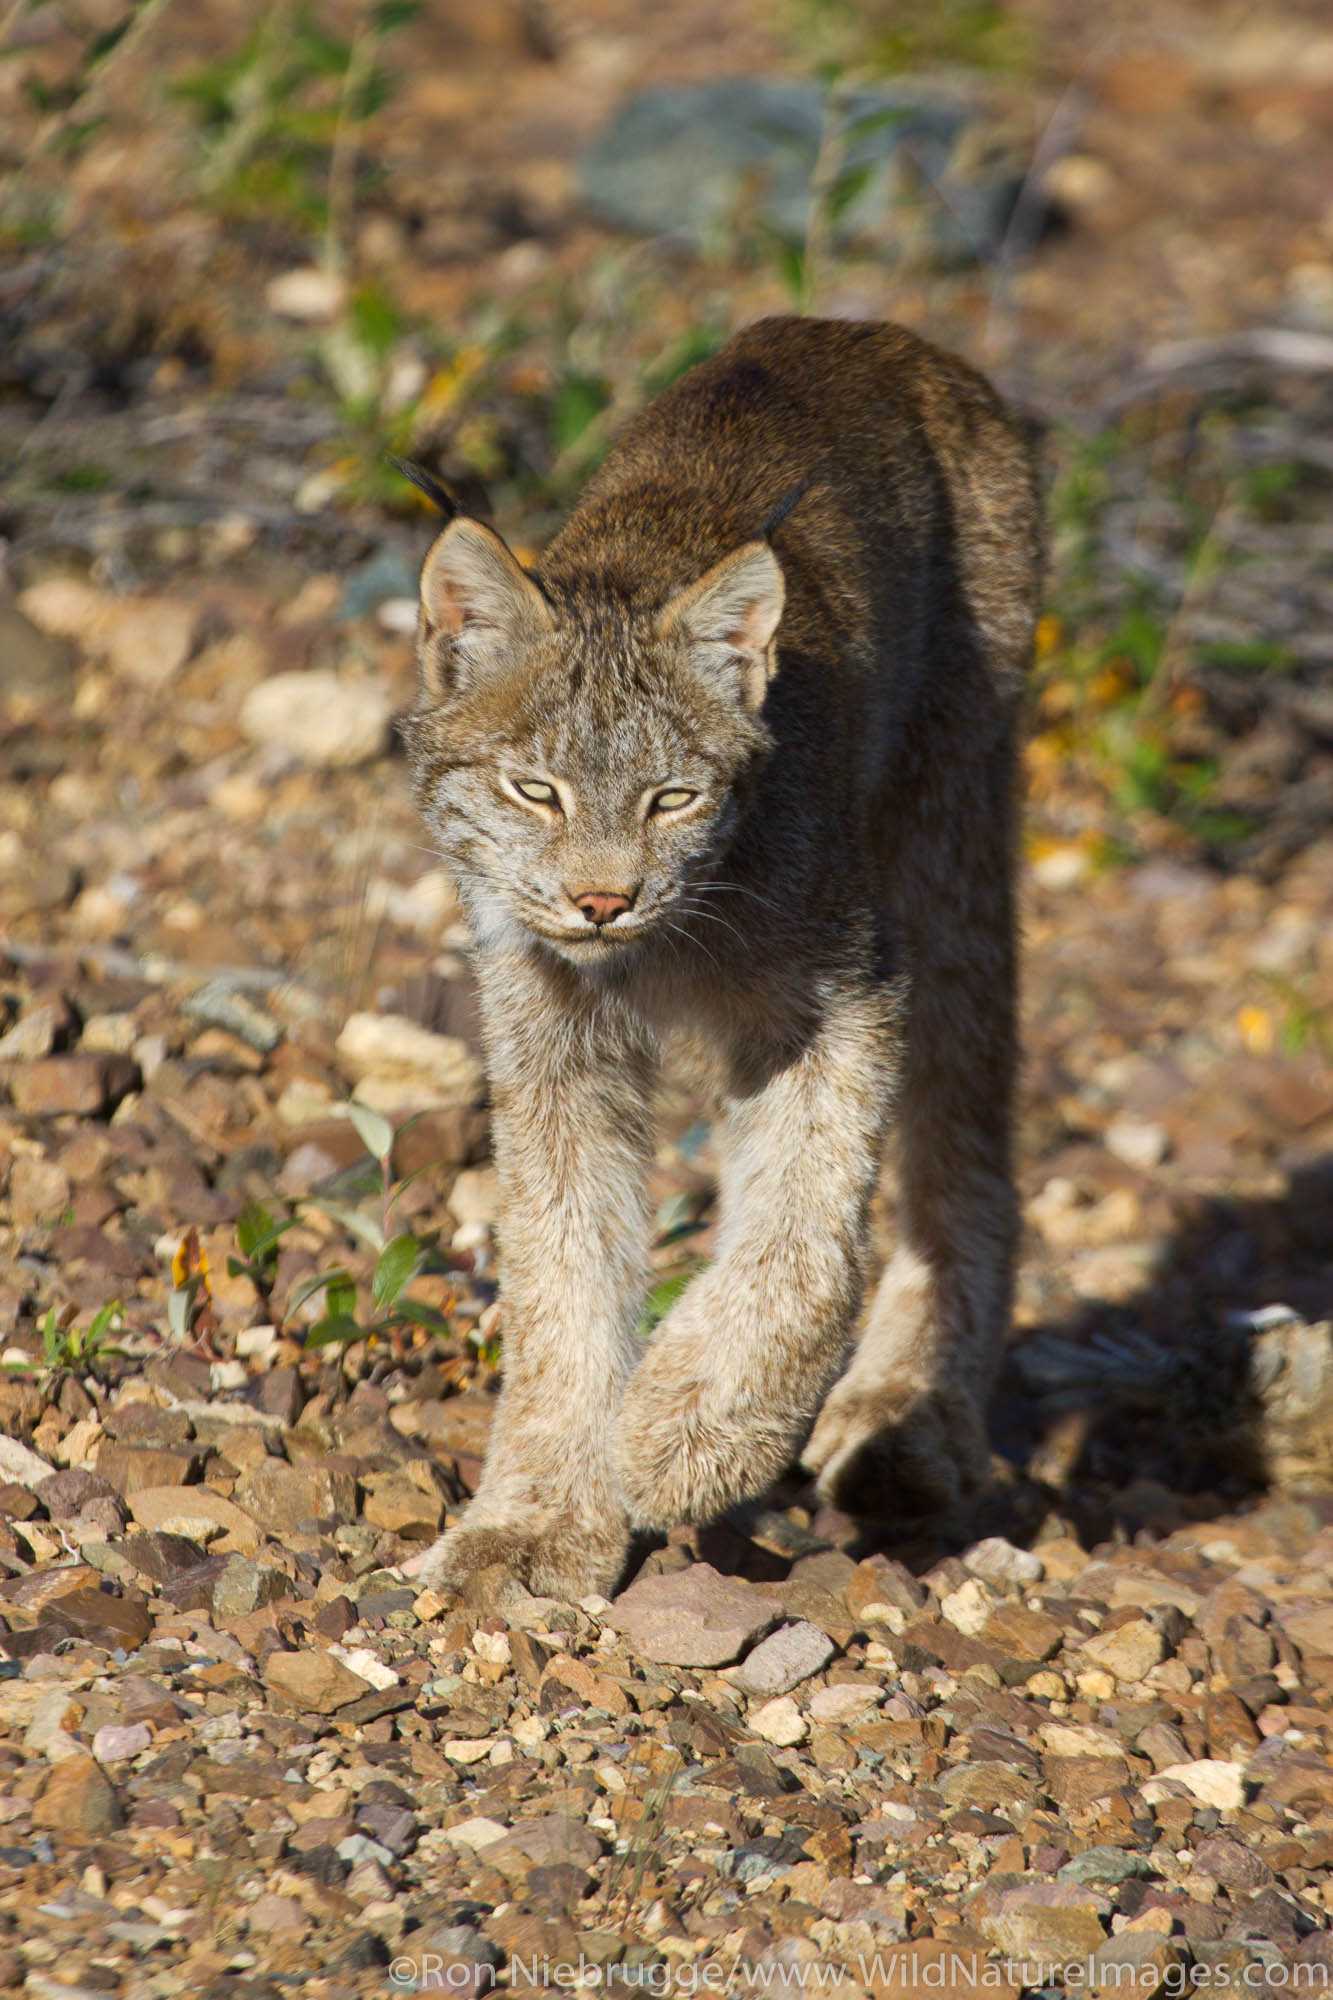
822	935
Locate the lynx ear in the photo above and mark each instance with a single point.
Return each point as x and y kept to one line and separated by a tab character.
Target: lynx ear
477	606
729	619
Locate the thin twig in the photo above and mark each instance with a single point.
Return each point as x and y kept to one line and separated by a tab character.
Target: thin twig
1198	363
88	99
342	154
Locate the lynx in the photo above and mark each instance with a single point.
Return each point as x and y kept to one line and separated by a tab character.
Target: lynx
728	778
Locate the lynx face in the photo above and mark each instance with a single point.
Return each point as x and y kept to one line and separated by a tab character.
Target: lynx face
579	764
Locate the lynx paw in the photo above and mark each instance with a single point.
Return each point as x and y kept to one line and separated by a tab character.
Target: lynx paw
567	1559
892	1451
679	1458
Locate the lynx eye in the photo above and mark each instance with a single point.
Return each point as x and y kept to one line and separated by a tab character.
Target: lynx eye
537	790
673	800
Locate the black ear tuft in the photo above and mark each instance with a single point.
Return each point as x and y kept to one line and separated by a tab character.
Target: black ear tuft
425	482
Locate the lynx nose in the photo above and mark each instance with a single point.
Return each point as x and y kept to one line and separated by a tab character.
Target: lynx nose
601	906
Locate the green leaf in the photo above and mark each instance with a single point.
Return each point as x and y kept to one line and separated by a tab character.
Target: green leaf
351	1219
664	1295
252	1225
391	14
340	1297
578	401
417	1314
377	325
845	190
309	1286
104	1320
338	1327
397	1264
373	1129
790	261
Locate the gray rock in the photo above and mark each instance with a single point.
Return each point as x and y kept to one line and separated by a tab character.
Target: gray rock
1105	1865
222	1006
693	1617
244	1585
786	1657
685	160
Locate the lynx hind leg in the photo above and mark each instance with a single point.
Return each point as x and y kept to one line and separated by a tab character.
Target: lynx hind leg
903	1433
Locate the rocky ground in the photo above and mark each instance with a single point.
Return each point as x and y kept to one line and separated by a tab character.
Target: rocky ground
250	1339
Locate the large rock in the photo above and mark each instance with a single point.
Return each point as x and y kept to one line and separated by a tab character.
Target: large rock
320	717
314	1681
693	1617
398	1065
686	160
787	1657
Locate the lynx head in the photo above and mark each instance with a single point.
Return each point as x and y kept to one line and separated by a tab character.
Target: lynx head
581	759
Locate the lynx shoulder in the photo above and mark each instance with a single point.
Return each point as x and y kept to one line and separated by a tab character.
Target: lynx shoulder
729	776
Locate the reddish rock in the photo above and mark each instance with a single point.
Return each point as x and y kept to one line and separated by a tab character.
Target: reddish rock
78	1801
61	1086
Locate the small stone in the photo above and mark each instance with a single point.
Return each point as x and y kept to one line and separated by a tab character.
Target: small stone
476	1834
32	1036
194	1512
1232	1864
115	1741
968	1608
314	1681
243	1585
845	1705
150	639
223	1006
1049	1923
779	1722
307	293
1106	1866
65	1494
129	1468
780	1662
1210	1780
1142	1963
78	1800
1138	1142
282	1497
1022	1634
997	1561
467	1749
321	718
1127	1651
692	1617
70	1086
38	1193
105	1620
881	1591
404	1509
272	1915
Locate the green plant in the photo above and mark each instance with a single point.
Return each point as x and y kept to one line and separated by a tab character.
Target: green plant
69	1349
257	1238
278	115
399	1257
678	1219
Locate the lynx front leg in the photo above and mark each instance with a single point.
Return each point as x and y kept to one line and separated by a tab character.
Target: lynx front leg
723	1396
571	1125
903	1433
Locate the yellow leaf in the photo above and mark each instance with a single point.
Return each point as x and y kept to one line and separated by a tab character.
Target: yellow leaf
1257	1031
1048	635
